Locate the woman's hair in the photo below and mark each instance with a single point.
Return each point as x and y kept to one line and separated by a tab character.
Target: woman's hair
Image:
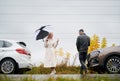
50	36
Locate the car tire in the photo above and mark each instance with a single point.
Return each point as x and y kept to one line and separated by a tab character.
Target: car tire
112	65
8	66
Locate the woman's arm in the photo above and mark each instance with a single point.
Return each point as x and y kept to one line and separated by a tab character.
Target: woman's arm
56	43
46	43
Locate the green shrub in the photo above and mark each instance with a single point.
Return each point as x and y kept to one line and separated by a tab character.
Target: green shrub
38	70
61	69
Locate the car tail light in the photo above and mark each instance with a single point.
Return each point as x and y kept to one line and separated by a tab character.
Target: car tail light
21	51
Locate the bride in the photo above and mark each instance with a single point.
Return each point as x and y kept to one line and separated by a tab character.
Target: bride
50	57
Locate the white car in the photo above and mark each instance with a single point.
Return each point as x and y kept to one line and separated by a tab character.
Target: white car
14	55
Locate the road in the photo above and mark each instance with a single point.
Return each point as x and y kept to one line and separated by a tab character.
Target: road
43	77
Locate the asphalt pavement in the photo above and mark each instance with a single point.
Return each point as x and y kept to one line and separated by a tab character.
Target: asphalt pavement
41	77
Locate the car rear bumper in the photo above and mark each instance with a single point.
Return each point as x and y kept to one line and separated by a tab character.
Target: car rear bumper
26	65
24	62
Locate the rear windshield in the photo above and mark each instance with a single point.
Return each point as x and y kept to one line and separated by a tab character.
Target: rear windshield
22	44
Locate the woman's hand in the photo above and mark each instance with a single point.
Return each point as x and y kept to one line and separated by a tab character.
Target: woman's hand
46	40
56	43
46	43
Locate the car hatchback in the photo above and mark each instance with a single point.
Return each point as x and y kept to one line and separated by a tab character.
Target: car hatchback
14	55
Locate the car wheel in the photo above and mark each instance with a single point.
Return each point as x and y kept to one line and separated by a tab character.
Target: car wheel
7	66
113	64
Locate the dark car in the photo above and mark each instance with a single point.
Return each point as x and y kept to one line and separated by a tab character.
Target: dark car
106	59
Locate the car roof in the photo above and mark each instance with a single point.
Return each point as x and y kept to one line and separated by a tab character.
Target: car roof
9	40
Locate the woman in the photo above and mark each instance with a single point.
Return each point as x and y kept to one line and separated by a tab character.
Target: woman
50	58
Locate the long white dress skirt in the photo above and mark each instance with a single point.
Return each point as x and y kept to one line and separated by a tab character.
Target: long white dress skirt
50	57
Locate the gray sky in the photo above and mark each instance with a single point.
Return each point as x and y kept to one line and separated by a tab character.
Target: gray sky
20	18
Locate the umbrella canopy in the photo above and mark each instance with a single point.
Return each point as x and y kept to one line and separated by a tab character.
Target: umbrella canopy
43	31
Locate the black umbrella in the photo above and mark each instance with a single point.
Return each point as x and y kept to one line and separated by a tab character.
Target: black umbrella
42	32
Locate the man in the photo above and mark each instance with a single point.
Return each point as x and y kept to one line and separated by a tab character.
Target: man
82	43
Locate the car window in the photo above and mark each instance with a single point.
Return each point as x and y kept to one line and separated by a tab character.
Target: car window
1	44
7	44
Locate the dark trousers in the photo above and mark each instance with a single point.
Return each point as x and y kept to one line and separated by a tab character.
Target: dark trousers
82	58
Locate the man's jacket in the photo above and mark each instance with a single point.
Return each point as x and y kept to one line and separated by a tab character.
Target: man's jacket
82	43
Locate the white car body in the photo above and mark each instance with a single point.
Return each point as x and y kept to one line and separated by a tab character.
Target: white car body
23	61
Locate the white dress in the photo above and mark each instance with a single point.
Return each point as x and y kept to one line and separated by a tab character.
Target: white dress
50	57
